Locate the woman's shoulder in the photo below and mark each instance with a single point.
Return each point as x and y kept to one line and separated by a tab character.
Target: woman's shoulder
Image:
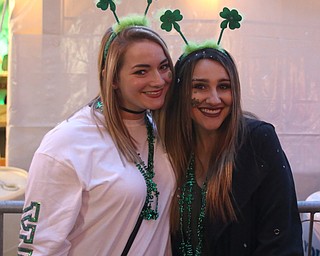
70	126
79	129
262	136
254	125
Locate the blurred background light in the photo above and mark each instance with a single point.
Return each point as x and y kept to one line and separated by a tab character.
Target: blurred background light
4	35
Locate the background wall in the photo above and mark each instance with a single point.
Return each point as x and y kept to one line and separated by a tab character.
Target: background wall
52	67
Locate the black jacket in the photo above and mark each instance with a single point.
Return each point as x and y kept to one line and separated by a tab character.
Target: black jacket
264	194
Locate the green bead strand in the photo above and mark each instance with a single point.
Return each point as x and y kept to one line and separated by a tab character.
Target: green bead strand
185	210
147	172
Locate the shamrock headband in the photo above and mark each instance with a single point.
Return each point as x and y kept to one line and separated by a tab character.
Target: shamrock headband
128	21
170	19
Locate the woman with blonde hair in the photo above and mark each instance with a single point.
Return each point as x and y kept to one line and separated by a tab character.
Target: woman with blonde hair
100	183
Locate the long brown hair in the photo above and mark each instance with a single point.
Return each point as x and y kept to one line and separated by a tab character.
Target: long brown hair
109	67
180	140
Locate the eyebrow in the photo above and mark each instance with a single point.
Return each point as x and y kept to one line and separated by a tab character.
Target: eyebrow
147	65
199	80
206	80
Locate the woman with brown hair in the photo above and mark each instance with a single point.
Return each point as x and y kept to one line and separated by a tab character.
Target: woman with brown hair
236	193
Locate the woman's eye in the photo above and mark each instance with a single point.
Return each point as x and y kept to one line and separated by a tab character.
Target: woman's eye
225	86
140	72
164	67
199	86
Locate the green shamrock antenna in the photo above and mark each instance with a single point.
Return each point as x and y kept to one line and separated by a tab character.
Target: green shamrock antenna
232	18
170	20
128	21
104	4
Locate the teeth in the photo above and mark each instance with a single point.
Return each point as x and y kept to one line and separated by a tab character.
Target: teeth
210	111
152	93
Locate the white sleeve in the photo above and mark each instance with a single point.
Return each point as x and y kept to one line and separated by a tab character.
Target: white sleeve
52	203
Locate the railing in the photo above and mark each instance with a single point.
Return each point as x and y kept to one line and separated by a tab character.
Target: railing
311	207
8	207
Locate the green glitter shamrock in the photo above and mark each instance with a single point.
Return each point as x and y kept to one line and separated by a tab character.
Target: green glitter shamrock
169	19
104	4
232	18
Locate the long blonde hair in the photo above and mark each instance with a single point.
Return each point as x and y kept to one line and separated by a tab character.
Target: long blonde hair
109	67
180	140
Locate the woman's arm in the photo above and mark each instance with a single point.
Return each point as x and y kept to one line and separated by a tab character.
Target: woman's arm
52	204
278	223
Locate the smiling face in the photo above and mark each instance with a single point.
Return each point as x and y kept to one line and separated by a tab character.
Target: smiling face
144	77
211	95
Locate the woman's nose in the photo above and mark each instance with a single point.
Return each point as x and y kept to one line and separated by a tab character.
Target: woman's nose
213	97
157	78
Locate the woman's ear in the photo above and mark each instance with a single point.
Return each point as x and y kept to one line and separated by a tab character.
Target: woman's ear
103	72
115	83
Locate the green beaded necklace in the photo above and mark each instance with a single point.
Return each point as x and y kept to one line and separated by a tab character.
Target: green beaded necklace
147	172
185	209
